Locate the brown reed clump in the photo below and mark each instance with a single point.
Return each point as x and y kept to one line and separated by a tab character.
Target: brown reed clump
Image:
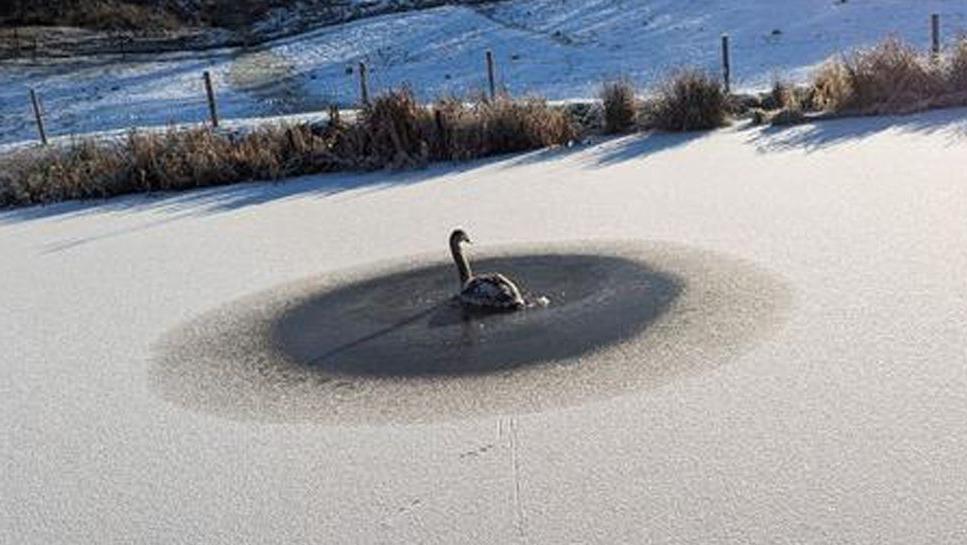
890	77
620	106
394	132
689	100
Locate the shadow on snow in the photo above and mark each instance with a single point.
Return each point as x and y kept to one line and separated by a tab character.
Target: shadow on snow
823	134
601	154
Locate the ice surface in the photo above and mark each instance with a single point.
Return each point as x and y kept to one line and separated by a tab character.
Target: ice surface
844	423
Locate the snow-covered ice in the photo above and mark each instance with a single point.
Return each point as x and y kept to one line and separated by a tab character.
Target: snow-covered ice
843	424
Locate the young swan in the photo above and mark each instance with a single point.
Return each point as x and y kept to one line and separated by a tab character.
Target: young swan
492	291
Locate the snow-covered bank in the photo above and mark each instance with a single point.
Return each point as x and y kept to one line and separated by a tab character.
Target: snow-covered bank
843	424
560	49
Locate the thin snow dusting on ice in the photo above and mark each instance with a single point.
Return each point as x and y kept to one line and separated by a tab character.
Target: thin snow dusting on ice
561	49
841	421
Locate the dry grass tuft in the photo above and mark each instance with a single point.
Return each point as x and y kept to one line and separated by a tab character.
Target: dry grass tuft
890	77
498	126
394	132
397	130
956	66
620	106
145	162
782	95
510	126
791	115
689	100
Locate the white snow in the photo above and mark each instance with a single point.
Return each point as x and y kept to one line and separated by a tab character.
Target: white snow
561	49
845	424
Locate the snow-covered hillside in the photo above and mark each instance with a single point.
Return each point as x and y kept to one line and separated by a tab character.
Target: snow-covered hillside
557	48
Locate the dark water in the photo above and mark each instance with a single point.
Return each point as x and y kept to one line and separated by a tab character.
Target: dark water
407	324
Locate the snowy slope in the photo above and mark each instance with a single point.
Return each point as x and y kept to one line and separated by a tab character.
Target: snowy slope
558	48
843	423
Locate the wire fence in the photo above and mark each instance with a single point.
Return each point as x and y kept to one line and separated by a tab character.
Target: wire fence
102	96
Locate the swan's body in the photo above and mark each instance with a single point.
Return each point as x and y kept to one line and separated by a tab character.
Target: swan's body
491	291
485	291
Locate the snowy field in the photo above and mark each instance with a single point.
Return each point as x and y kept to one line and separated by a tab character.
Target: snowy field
842	422
561	49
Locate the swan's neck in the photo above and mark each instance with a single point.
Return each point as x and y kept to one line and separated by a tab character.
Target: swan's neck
463	266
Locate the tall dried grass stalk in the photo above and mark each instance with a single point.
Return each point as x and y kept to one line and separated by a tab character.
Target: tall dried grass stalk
689	100
890	77
620	106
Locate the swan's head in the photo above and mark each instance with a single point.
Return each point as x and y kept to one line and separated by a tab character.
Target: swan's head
459	236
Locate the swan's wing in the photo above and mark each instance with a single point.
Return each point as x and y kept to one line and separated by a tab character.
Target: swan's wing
491	290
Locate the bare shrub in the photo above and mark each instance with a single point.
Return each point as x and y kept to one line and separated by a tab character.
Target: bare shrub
94	14
620	105
889	77
689	100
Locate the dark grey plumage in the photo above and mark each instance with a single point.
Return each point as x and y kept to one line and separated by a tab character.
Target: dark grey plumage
485	291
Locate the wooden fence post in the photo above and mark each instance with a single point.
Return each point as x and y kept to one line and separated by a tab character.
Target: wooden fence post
212	106
334	115
39	117
363	85
726	64
935	34
490	75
